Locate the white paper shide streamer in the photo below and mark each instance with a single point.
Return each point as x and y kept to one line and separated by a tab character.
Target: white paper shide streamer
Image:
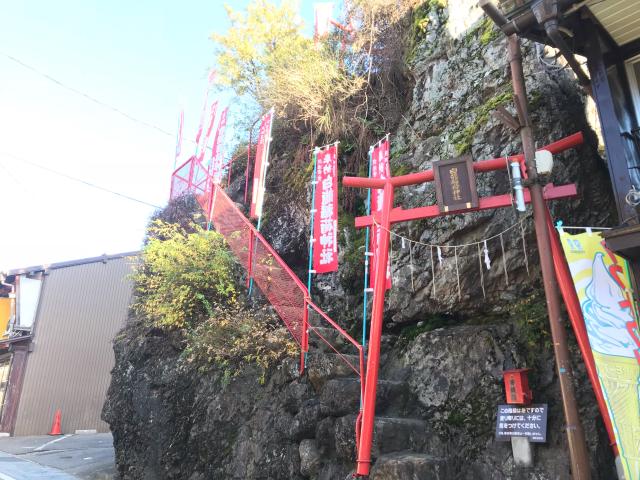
487	260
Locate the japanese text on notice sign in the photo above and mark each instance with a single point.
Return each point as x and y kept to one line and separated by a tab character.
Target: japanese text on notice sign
517	421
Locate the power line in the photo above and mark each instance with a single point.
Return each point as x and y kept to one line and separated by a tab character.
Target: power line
79	180
91	98
10	173
86	95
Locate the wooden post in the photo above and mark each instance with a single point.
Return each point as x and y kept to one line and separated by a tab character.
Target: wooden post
614	147
575	434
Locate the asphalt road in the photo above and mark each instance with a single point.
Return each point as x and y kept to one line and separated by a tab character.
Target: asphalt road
68	457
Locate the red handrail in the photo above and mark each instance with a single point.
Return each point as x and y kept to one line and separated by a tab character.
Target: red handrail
360	372
341	331
229	220
257	235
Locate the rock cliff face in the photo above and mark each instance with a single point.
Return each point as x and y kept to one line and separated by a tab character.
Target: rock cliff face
435	413
443	353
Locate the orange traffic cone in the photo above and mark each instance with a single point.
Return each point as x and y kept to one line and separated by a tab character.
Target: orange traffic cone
55	428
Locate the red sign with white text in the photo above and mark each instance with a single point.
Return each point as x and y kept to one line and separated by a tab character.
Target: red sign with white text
260	166
325	222
379	169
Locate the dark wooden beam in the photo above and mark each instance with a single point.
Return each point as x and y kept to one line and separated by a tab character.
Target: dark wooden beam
630	49
588	17
616	156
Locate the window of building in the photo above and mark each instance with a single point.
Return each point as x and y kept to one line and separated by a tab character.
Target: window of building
28	297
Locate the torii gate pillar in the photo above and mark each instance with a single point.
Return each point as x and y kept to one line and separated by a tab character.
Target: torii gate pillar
386	219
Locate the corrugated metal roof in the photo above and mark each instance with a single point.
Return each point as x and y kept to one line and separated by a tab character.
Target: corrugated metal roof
70	263
621	18
81	309
5	342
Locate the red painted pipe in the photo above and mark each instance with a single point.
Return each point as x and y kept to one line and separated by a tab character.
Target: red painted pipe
399	214
479	166
181	165
250	258
373	356
570	298
246	173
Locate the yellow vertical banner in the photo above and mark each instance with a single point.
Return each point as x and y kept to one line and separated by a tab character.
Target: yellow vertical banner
602	283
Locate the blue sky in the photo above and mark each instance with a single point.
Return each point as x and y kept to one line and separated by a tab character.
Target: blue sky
145	58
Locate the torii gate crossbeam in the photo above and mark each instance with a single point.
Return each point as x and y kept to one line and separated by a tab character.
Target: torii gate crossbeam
385	219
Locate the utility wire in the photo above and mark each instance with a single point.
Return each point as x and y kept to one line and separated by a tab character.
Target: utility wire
91	98
10	173
86	95
79	180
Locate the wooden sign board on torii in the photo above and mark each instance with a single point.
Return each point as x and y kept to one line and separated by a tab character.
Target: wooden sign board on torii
450	202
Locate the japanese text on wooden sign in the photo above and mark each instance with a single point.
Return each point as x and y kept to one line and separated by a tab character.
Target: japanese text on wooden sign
325	223
379	169
455	184
516	421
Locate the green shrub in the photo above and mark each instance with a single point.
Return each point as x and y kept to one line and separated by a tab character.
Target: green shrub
182	275
266	55
235	338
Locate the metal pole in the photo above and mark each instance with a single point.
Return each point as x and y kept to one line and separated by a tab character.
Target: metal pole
229	171
250	259
246	173
304	344
310	264
213	202
313	211
367	254
377	314
263	182
255	246
575	435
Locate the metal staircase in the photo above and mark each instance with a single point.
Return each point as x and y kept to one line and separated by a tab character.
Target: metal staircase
277	282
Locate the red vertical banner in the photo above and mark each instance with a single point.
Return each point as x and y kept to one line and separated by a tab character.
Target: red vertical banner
210	80
260	166
325	221
216	166
179	135
379	169
207	135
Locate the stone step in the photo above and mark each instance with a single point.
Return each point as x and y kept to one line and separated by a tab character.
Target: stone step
333	337
322	367
410	465
341	396
390	434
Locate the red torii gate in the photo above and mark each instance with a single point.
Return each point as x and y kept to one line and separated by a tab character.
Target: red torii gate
388	217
